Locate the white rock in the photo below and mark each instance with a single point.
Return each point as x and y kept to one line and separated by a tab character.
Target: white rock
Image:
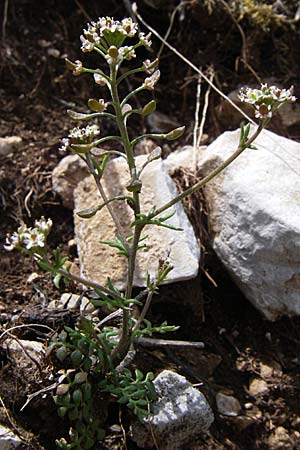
98	261
8	144
72	302
34	276
255	219
8	439
186	158
180	414
257	387
65	177
227	405
23	353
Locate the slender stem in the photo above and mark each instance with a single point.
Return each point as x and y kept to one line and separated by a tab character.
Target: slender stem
151	135
107	202
122	348
210	176
90	284
144	311
130	72
125	100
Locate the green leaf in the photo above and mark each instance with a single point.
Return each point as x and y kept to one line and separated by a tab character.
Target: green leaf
117	243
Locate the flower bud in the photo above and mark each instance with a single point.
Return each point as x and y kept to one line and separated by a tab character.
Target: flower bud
99	79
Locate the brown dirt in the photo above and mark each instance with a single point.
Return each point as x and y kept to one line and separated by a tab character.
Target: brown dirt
35	92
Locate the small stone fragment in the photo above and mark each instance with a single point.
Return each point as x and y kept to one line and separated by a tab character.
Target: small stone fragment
180	414
227	405
8	144
281	440
8	439
258	387
32	277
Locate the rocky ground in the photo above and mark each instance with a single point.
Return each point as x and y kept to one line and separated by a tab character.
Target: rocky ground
249	368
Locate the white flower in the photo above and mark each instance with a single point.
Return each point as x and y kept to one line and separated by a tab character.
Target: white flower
150	82
11	241
99	79
149	66
127	52
129	27
34	238
78	68
145	39
86	46
65	144
43	225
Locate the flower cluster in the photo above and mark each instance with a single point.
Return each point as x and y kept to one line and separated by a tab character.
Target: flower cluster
78	135
107	35
29	238
267	99
106	32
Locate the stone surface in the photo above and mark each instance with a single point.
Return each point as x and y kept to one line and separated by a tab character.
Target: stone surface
254	219
98	261
257	387
72	302
8	439
281	440
8	144
65	177
227	405
180	414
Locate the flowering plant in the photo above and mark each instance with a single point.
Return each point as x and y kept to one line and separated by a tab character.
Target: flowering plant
92	352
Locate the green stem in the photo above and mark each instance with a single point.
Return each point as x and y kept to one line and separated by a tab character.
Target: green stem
130	72
122	348
241	148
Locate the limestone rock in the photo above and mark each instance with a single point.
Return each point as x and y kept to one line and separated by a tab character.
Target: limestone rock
227	405
8	439
66	176
254	219
98	261
180	414
8	144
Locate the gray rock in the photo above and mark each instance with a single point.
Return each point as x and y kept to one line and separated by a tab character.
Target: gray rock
8	144
254	219
98	261
8	439
180	415
227	405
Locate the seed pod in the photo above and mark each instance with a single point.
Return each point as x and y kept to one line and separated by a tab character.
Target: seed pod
175	134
